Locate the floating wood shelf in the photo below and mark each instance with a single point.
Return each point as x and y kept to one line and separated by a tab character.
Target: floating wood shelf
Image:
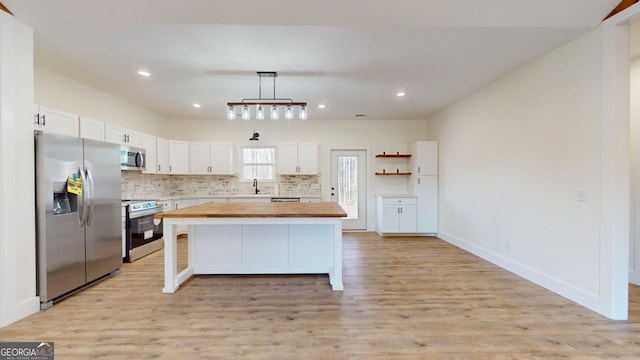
394	173
393	155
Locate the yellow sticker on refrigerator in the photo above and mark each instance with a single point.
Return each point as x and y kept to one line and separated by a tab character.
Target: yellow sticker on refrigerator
74	185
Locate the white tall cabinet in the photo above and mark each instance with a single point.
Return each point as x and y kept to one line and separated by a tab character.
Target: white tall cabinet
423	183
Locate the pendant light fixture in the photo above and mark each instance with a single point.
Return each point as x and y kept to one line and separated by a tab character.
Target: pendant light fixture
271	103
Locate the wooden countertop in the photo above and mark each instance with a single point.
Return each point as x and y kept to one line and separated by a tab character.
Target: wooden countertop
257	210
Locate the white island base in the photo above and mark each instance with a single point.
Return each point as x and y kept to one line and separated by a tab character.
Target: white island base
255	246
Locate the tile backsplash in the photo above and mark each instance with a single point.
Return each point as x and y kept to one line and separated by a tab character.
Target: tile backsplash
136	185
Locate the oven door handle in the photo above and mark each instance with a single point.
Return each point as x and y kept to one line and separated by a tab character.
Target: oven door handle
139	214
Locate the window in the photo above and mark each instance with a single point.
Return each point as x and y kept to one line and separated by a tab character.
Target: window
259	163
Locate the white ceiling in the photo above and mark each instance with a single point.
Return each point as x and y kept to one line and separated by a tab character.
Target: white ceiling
352	55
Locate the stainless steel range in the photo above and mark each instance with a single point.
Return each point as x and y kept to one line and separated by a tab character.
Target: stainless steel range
143	232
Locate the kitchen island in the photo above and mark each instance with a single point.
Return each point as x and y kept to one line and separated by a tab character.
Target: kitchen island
256	238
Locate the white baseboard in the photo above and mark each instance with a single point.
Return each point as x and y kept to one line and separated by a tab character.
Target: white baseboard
585	298
22	310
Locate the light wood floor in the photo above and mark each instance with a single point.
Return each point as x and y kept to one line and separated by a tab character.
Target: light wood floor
404	298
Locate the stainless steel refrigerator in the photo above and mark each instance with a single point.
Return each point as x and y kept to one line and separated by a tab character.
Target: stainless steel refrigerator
79	238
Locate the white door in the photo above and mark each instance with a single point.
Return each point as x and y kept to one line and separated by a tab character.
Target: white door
349	186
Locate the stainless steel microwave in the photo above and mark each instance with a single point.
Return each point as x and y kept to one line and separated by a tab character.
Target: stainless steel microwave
132	158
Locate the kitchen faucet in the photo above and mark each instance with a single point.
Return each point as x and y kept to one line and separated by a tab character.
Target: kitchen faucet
255	185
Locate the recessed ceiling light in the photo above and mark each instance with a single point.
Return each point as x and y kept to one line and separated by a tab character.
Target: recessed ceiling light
196	105
144	73
400	94
321	106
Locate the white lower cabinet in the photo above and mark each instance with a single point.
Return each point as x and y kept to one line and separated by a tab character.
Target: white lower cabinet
262	249
167	205
250	199
211	200
396	214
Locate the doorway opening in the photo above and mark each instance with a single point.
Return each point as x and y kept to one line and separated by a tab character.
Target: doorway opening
349	186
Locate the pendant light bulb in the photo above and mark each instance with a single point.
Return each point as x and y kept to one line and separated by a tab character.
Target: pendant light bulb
231	113
260	113
274	112
303	112
288	113
246	114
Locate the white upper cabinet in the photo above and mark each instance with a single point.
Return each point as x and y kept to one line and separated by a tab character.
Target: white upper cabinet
178	157
55	121
221	158
162	156
211	158
424	158
91	129
117	135
298	158
149	144
199	158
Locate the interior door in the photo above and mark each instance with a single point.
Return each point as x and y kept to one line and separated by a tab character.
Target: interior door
349	186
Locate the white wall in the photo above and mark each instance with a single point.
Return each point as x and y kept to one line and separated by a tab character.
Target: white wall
62	93
524	173
17	215
634	249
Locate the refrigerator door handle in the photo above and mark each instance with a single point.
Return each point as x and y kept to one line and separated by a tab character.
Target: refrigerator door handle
91	197
82	215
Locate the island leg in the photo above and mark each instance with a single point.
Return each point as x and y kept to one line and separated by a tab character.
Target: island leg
170	256
335	276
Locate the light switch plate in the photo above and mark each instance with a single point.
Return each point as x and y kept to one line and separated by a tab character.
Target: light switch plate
582	195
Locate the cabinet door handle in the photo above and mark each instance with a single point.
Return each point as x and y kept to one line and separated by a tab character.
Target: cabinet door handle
158	167
418	169
44	120
169	168
418	181
36	119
